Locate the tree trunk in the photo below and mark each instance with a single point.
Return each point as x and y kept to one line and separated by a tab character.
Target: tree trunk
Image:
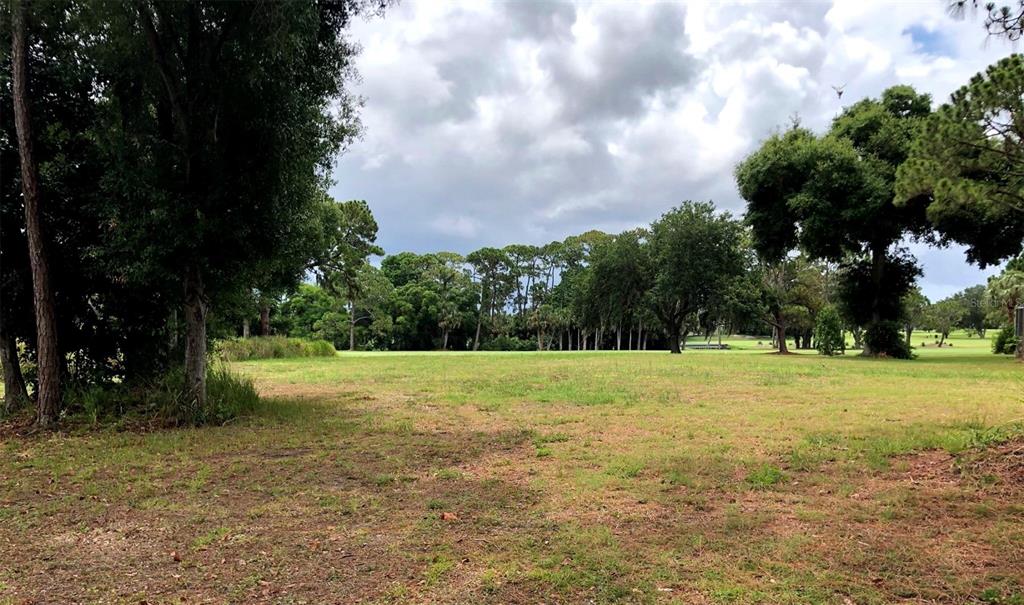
245	328
195	337
479	320
15	395
444	340
47	352
673	339
264	319
909	330
877	273
352	325
683	337
629	343
780	334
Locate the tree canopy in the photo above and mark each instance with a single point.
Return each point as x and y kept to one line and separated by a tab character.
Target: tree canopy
967	165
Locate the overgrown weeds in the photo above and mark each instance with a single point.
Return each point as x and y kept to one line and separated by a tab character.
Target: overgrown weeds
272	347
163	401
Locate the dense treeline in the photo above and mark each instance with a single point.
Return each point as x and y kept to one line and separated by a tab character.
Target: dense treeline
164	183
169	159
597	291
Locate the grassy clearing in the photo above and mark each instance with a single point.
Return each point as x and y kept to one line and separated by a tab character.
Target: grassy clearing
710	477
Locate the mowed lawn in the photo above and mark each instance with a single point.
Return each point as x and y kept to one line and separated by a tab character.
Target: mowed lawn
706	477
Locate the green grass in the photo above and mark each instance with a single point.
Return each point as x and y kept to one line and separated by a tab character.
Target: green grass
719	477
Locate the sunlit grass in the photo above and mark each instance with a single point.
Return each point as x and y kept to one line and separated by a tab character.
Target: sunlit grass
713	476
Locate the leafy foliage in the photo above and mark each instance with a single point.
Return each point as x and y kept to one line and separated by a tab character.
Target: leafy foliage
831	196
1005	342
967	165
696	253
828	331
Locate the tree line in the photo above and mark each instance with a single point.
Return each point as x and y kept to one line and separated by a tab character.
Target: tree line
165	177
600	291
165	160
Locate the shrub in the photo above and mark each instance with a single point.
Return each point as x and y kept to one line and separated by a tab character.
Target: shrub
1005	342
272	347
162	400
828	331
509	343
884	337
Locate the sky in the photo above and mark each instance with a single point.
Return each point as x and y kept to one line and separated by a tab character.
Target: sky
490	123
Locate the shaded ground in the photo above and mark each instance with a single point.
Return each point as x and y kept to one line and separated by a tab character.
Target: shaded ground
541	479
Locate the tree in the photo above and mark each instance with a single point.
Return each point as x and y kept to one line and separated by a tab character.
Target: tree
620	277
791	292
1003	21
880	315
351	233
301	310
493	272
776	288
974	305
48	360
966	165
914	311
1006	291
943	317
832	197
446	273
695	254
220	127
15	394
828	331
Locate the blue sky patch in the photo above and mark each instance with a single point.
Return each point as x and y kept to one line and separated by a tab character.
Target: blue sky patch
930	42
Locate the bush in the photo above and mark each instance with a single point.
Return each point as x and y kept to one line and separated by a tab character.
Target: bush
272	347
828	331
883	338
1005	342
162	400
509	343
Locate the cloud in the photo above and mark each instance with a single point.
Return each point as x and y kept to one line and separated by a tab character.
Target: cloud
458	226
492	123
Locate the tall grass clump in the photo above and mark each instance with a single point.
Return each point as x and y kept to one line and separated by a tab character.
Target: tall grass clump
272	347
162	401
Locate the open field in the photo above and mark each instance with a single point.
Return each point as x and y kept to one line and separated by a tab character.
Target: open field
709	477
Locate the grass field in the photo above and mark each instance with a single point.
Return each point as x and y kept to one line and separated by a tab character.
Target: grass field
707	477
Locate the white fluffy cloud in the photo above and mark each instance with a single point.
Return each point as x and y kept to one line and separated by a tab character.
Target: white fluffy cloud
492	123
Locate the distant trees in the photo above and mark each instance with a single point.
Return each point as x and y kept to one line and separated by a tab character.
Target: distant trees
974	307
695	253
350	235
943	317
915	307
622	273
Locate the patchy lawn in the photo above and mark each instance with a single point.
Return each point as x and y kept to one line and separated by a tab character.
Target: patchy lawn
710	477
